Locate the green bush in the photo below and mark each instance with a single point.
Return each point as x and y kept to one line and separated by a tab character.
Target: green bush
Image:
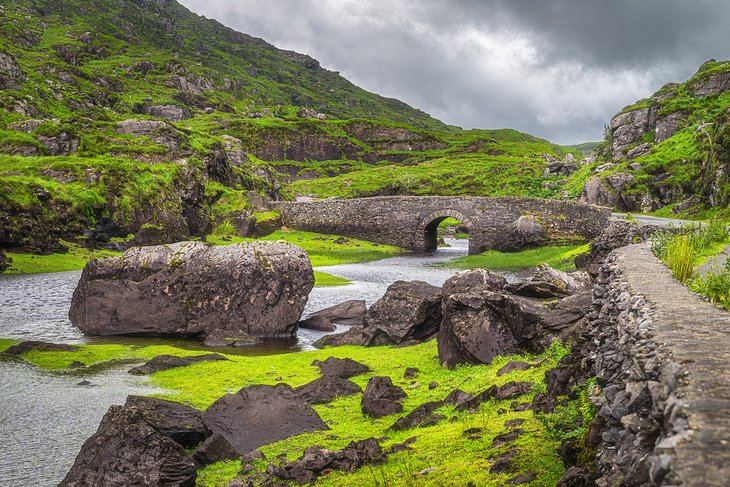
680	254
715	285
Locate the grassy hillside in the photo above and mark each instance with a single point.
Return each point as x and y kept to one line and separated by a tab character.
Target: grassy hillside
669	153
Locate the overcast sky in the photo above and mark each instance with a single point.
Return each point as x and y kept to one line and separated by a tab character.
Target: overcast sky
557	69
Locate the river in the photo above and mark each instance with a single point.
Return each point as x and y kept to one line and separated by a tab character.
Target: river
45	417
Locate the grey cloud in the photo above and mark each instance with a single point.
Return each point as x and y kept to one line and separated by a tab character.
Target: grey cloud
557	69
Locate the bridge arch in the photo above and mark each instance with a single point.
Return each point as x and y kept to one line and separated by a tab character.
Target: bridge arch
427	226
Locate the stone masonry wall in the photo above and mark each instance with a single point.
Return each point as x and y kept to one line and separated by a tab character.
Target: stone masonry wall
662	362
401	220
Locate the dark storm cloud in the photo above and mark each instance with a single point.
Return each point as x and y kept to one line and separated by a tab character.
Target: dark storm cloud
557	69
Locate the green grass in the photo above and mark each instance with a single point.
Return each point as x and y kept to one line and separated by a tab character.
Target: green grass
458	459
76	258
322	279
557	256
327	250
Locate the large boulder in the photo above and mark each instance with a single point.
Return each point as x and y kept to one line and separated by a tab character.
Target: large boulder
128	450
258	415
407	311
344	368
189	289
326	389
524	232
353	336
547	282
478	323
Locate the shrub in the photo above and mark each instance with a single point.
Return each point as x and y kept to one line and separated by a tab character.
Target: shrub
680	254
715	285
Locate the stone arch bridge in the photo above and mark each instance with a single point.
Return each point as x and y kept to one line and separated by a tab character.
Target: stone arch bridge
410	221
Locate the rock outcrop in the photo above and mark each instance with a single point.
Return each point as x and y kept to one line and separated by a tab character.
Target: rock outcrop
188	289
409	311
128	450
258	415
547	282
479	321
326	389
344	368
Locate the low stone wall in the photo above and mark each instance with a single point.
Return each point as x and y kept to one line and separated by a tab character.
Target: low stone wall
663	364
408	221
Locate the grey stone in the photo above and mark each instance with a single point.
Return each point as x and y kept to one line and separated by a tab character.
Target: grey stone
188	289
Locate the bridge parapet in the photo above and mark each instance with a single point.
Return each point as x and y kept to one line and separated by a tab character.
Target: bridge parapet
410	221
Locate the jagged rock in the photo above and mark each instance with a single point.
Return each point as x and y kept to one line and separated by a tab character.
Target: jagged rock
173	113
381	398
478	323
524	232
668	125
711	85
166	362
215	449
410	373
27	346
318	323
174	420
348	313
169	230
407	311
458	398
62	144
543	403
618	233
318	461
326	389
638	151
576	477
628	128
190	83
10	73
523	478
510	390
143	67
609	191
477	279
344	368
416	417
547	282
229	338
189	289
258	415
503	463
127	450
353	336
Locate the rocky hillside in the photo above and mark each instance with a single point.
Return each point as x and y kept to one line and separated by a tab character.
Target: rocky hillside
137	122
669	152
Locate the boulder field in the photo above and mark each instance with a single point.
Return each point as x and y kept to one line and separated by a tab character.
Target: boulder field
476	315
191	290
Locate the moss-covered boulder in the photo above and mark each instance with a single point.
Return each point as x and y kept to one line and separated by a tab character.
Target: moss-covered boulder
189	289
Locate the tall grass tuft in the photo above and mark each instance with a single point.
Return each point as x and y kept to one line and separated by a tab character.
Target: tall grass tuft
680	254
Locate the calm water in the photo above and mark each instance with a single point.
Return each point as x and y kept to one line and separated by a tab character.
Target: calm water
45	417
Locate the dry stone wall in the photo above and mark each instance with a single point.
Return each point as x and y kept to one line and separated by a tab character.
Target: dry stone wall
662	362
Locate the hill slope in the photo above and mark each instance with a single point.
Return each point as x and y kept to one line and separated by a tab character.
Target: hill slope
138	122
669	153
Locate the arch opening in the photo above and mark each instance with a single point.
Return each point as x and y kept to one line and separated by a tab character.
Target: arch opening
442	224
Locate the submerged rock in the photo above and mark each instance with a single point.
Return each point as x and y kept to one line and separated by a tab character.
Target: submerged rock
127	450
258	415
407	311
165	362
229	338
27	346
189	289
347	313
